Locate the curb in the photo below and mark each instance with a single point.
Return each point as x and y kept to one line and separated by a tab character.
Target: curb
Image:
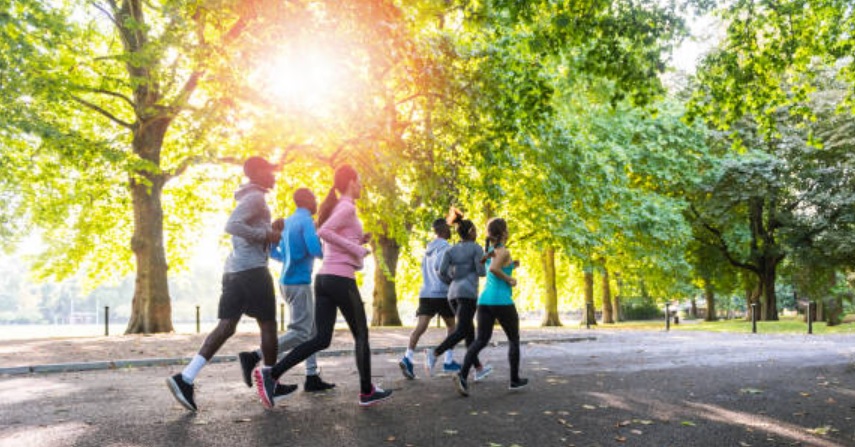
141	363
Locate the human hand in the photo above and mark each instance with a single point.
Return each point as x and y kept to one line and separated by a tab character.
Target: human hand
278	224
512	282
516	263
366	238
273	236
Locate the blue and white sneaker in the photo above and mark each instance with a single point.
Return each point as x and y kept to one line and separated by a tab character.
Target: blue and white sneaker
451	367
430	361
483	373
407	368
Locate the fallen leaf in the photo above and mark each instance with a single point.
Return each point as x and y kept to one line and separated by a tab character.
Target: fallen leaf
547	412
643	421
620	439
623	423
513	413
450	432
241	420
589	407
805	394
688	423
750	391
821	430
390	439
200	422
744	444
636	432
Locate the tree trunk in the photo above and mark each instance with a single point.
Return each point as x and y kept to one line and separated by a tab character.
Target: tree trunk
590	314
694	310
618	309
768	300
151	310
608	317
386	252
550	308
709	297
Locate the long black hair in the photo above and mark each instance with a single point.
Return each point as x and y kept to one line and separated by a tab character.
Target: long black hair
465	227
342	178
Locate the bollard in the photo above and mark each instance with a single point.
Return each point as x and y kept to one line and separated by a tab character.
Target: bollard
281	317
197	320
106	320
667	317
810	312
753	318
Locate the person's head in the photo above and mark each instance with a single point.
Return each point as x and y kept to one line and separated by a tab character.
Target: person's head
441	229
465	228
304	198
346	182
260	171
497	232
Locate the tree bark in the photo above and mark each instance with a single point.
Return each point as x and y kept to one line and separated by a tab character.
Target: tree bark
694	310
709	297
608	314
619	316
550	309
151	310
590	314
386	251
768	299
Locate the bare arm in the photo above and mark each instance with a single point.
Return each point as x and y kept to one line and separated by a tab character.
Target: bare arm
503	258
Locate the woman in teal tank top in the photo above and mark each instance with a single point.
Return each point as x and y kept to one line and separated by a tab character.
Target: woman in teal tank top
496	304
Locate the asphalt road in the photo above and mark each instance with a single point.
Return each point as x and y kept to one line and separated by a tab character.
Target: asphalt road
622	389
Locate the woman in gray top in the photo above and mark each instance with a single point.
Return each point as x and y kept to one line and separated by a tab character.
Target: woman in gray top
461	266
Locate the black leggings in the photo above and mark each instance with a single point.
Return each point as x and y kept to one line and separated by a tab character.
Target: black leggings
331	293
464	309
510	322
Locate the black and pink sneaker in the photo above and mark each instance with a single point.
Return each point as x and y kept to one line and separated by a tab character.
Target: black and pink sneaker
376	395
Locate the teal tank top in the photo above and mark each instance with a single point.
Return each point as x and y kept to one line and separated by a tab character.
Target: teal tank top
496	291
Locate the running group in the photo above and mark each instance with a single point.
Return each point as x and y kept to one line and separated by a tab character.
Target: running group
450	290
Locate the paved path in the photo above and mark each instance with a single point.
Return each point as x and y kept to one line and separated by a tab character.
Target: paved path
622	388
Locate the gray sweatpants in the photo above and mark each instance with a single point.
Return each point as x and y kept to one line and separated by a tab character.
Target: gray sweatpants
301	327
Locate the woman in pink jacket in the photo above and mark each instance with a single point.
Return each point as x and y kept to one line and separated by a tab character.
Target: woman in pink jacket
335	289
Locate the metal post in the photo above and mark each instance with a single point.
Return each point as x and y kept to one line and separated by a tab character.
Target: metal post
106	320
197	319
753	318
810	312
667	317
281	317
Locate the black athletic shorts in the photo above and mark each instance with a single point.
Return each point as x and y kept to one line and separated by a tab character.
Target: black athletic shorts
248	292
433	306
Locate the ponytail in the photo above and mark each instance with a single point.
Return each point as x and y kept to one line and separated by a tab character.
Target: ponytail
341	179
487	244
327	207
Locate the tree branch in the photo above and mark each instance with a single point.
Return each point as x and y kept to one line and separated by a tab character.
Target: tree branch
109	93
722	244
103	112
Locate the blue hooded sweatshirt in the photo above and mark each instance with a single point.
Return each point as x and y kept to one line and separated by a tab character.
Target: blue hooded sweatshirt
432	285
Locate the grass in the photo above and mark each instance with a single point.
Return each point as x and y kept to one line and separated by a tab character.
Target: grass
782	326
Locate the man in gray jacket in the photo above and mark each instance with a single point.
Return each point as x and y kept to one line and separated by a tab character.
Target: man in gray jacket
433	299
247	284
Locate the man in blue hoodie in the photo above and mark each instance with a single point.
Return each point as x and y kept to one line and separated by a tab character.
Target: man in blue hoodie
433	299
296	250
247	284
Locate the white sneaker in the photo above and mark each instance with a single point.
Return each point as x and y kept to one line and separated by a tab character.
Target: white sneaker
430	361
483	373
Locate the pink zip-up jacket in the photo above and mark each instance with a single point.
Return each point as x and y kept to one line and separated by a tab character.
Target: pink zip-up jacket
342	236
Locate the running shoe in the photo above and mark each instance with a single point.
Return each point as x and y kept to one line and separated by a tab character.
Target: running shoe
376	395
430	361
248	360
407	368
314	384
282	391
483	373
266	386
518	384
451	367
460	383
182	391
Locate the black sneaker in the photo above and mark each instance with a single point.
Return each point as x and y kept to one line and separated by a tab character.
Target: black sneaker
314	384
266	386
248	360
280	392
376	395
182	391
518	384
460	383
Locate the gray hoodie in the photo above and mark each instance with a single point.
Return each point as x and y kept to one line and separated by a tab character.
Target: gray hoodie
432	285
461	266
248	225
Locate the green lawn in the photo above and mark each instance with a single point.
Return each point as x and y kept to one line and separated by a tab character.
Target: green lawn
783	326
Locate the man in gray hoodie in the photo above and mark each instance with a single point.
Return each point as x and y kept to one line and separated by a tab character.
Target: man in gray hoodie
247	284
433	299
